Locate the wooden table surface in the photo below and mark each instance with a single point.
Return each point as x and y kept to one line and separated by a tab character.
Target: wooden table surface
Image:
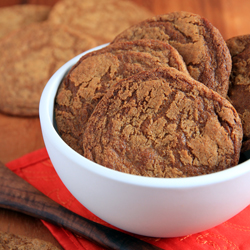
19	136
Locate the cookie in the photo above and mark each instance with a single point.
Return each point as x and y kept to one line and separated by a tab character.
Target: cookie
100	18
245	146
163	51
19	16
162	123
239	89
198	41
95	72
28	59
13	241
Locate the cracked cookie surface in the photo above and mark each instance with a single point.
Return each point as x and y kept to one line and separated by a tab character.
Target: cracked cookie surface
96	72
162	123
197	40
239	89
10	241
29	57
21	15
103	19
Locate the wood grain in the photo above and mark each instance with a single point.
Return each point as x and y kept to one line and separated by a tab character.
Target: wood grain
19	136
230	17
19	195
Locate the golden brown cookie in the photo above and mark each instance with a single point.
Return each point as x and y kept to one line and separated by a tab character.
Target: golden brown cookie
28	59
100	18
197	40
163	51
16	242
245	146
95	72
239	89
19	16
162	123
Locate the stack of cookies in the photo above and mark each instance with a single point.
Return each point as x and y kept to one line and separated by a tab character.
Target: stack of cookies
166	98
36	40
239	89
154	102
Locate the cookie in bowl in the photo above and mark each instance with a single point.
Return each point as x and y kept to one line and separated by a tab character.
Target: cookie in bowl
239	88
91	77
149	206
199	43
162	123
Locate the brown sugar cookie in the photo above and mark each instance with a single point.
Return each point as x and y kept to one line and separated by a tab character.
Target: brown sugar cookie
245	146
16	242
28	59
100	18
162	123
239	89
19	16
95	72
163	51
198	41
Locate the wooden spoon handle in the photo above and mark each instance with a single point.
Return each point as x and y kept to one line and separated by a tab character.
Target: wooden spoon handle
17	194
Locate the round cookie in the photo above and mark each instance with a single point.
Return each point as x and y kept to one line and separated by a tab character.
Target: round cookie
20	242
28	59
239	89
245	146
198	41
163	51
100	18
19	16
95	72
162	123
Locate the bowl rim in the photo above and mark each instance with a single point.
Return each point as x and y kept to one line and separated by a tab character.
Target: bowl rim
46	115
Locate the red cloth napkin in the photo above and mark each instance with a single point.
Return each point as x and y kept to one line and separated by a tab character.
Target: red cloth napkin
37	169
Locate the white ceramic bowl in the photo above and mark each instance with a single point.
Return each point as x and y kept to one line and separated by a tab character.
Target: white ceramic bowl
148	206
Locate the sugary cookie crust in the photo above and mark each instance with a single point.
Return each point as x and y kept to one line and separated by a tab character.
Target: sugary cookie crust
198	41
96	72
103	19
19	242
29	57
239	90
162	123
19	16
